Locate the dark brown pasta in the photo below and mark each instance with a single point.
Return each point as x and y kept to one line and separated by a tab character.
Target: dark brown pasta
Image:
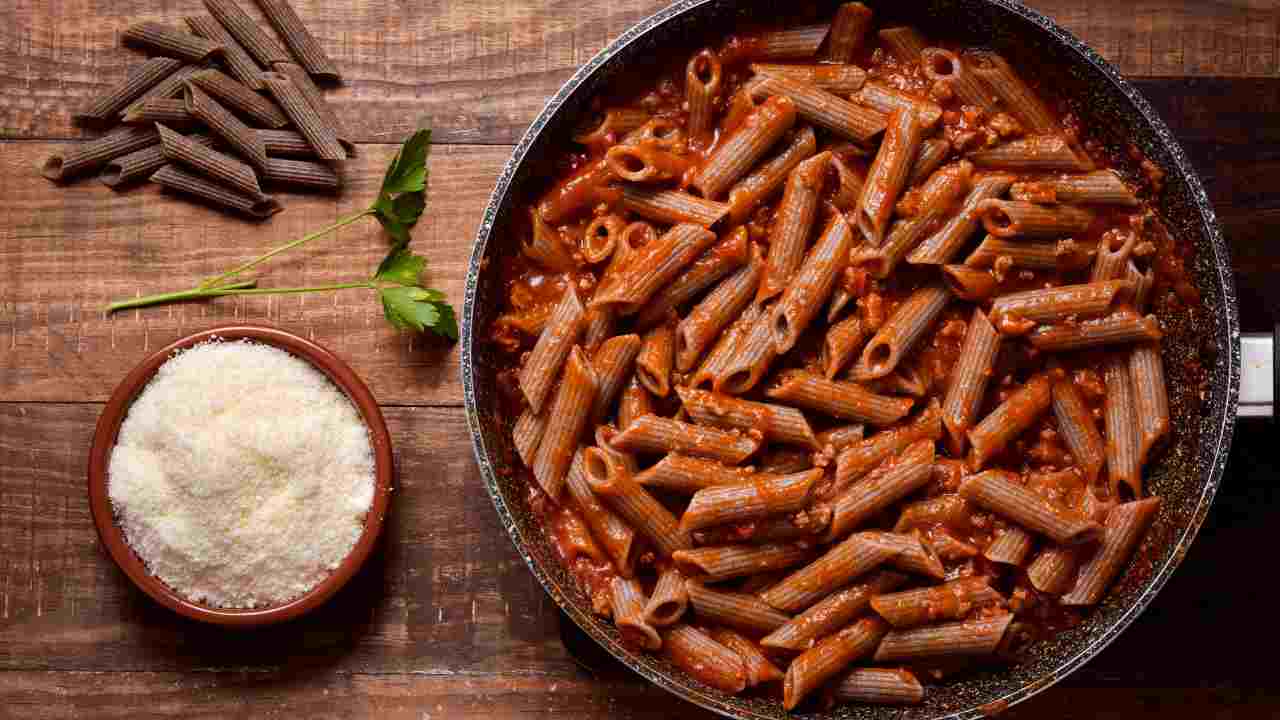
169	41
254	39
170	111
233	53
209	162
318	132
175	178
240	98
76	160
304	45
301	173
239	136
140	164
307	87
140	79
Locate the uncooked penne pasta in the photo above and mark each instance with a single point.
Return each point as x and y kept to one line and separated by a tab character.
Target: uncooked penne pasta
897	479
613	363
611	480
1014	218
756	498
998	491
1150	395
686	475
208	162
807	291
554	344
246	30
848	31
737	153
240	98
611	125
742	611
1121	327
759	668
309	121
1045	153
1123	425
628	614
853	557
653	364
833	654
611	531
888	99
170	111
669	600
901	332
295	34
1100	187
888	176
786	44
140	164
861	458
705	659
300	174
234	55
973	638
239	136
651	268
911	553
1056	304
969	283
842	343
831	613
170	87
169	41
726	256
1114	251
653	434
714	564
969	379
1013	94
716	311
1123	531
822	108
943	245
753	189
844	400
140	79
838	79
936	200
1011	546
567	417
881	686
175	178
701	85
792	225
1017	413
777	423
83	158
951	601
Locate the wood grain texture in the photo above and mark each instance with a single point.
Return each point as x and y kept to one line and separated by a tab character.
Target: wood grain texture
478	72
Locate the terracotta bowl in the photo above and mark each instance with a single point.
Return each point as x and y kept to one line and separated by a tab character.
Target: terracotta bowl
104	439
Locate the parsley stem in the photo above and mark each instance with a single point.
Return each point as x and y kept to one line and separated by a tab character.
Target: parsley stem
211	283
241	288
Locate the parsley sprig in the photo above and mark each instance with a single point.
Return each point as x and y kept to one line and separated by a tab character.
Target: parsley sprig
398	279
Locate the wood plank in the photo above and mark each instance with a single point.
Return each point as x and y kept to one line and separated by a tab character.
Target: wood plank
479	72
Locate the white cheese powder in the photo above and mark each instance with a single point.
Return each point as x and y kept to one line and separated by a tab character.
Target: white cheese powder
241	475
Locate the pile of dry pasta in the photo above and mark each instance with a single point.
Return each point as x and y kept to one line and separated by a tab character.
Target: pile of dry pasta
782	267
195	119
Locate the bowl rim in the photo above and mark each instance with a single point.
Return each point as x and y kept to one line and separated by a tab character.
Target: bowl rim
108	428
1217	431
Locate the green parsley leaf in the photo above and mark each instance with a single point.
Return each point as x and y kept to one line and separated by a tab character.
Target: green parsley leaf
406	304
404	189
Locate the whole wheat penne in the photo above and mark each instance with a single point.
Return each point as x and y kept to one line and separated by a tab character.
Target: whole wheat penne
937	198
239	136
598	327
604	435
1123	425
634	236
1053	569
83	158
713	564
843	400
669	600
300	174
304	45
831	613
1144	282
855	556
1077	427
946	67
753	189
807	292
645	163
838	79
784	460
686	475
822	108
833	654
628	614
653	364
527	432
932	153
776	423
611	480
895	480
140	79
1031	255
969	379
862	457
1013	94
742	611
611	531
913	555
607	127
1056	304
301	80
140	164
169	41
950	511
613	362
567	417
974	638
969	283
758	497
250	34
786	44
237	59
590	185
554	344
849	185
170	111
751	356
848	31
651	268
942	246
1114	251
1124	528
309	121
888	176
600	237
998	491
710	662
239	97
810	523
1100	187
714	367
760	669
840	437
716	311
1009	420
1013	218
1121	327
881	686
1151	399
170	87
735	155
1046	153
843	340
660	132
1011	546
177	179
901	332
903	42
732	252
792	225
951	601
634	403
285	143
701	85
888	99
653	434
544	245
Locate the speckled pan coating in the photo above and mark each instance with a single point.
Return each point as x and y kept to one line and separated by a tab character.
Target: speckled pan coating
1187	477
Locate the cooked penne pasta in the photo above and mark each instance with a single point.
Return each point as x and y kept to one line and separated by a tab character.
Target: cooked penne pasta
1144	282
651	268
937	198
610	479
527	433
901	332
612	532
1044	153
912	554
933	152
903	42
811	523
628	614
1012	546
714	564
1150	396
848	31
852	558
945	67
716	311
567	417
969	379
831	613
969	283
737	153
742	611
838	79
1124	427
893	481
806	293
701	85
1056	304
613	362
843	400
1030	255
888	99
653	434
732	252
940	247
757	187
822	108
1119	328
601	237
951	601
792	226
635	403
653	364
1122	532
1101	187
849	185
715	366
888	176
751	356
1053	569
669	600
710	662
833	654
881	686
759	668
843	340
1077	427
968	638
554	344
645	163
862	457
1114	251
1014	218
592	184
758	497
670	206
609	126
1013	94
999	492
777	423
686	475
1009	420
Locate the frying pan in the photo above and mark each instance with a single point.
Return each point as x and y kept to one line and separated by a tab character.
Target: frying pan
1203	402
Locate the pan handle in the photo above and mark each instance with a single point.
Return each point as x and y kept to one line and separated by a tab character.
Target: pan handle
1258	378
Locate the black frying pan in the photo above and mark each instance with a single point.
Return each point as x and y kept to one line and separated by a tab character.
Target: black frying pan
1186	477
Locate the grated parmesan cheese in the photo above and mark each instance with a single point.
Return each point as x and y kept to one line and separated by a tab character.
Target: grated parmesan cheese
241	475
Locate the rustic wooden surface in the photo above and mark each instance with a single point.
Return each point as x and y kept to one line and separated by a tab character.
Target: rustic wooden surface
445	621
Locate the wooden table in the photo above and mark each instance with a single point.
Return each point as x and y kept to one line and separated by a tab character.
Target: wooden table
446	621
